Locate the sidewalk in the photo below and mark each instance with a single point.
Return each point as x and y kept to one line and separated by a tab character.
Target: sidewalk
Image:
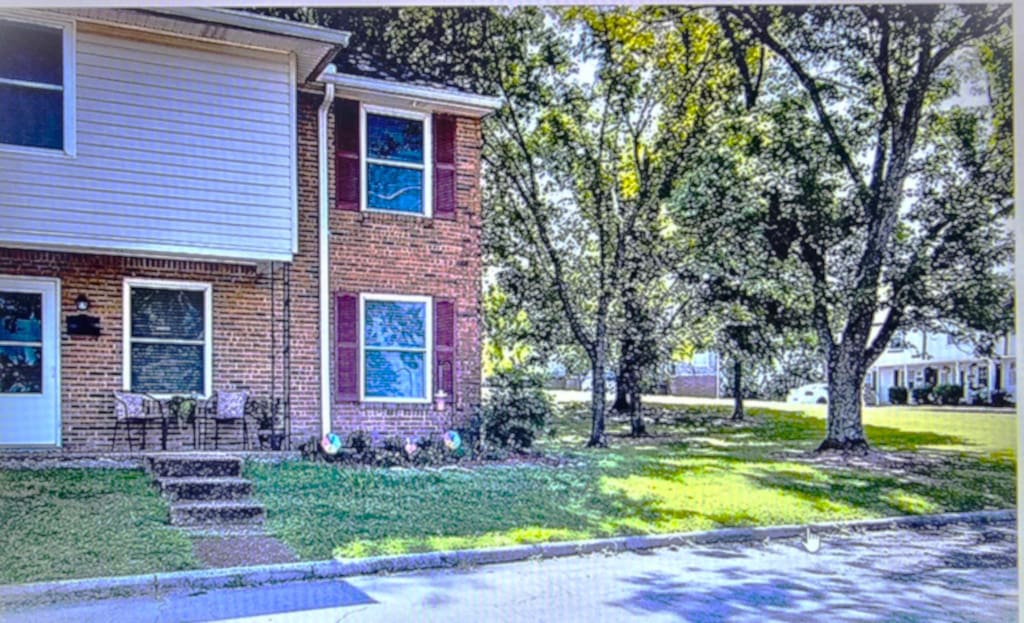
44	593
957	572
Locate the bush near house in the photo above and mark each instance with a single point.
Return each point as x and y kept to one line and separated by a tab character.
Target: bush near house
898	395
979	397
1000	398
516	410
922	395
948	393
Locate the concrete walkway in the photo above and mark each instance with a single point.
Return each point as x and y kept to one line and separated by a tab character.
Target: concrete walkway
957	573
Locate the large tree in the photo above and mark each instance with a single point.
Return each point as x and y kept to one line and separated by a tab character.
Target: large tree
903	218
576	185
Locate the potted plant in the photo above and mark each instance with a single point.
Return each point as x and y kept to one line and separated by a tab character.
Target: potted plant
268	431
183	409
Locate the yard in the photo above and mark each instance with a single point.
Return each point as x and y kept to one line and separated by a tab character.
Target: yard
58	524
698	470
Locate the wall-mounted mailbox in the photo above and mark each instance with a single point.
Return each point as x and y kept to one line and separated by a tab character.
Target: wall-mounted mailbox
83	324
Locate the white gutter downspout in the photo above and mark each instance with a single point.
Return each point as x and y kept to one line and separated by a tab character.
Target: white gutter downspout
324	224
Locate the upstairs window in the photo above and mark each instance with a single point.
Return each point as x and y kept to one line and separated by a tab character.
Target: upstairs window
898	341
396	172
393	160
36	85
394	144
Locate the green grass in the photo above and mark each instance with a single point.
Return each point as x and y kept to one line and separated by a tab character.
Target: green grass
696	471
73	523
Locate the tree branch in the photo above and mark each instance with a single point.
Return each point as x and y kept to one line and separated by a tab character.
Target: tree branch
750	19
885	332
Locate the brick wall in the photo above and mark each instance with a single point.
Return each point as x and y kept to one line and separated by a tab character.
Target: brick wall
91	367
696	386
370	252
401	254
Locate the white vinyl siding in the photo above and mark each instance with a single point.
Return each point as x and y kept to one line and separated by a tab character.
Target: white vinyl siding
180	151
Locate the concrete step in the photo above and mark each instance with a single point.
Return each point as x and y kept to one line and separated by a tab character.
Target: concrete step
195	466
219	513
200	489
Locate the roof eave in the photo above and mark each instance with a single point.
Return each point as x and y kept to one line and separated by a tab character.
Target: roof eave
457	102
262	23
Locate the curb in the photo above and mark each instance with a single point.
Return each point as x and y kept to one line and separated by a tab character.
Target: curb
23	595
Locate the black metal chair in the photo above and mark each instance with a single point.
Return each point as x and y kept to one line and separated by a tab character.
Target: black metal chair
138	408
225	408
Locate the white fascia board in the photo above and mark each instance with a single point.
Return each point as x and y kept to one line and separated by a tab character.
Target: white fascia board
263	23
151	250
374	90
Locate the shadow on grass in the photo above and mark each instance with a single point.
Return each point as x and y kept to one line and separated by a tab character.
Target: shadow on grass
696	471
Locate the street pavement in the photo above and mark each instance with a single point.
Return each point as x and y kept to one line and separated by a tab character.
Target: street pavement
954	574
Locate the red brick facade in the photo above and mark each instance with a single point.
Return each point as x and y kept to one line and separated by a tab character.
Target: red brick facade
369	252
381	253
91	367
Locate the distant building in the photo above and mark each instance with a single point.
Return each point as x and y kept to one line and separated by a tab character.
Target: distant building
918	358
697	377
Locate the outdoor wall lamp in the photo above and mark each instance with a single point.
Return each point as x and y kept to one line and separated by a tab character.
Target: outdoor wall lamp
82	302
440	396
439	400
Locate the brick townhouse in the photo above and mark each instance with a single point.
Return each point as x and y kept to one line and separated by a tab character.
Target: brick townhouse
206	203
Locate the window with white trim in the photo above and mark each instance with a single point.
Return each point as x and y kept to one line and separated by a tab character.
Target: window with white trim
395	154
37	96
396	342
167	337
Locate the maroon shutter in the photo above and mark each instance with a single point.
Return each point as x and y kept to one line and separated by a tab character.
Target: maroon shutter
444	346
346	345
346	154
444	167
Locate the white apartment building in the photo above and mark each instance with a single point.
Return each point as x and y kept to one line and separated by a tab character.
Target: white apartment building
915	358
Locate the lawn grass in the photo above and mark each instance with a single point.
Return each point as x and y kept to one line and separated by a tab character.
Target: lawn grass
73	523
696	471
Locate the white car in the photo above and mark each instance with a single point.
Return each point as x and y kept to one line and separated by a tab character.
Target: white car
813	393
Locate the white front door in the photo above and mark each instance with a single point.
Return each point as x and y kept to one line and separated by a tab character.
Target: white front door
29	352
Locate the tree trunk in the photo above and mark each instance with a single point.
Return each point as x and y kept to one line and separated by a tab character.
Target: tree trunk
622	404
597	400
737	390
845	431
637	428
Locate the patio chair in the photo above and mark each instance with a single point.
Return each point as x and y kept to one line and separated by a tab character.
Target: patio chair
134	408
223	408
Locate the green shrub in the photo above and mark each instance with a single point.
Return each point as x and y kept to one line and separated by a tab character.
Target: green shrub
391	453
516	409
898	395
360	442
948	393
1000	398
922	395
978	397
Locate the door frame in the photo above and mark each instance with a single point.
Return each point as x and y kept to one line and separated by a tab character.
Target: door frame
56	335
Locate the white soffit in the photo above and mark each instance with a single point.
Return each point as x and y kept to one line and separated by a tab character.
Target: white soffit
313	46
388	93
